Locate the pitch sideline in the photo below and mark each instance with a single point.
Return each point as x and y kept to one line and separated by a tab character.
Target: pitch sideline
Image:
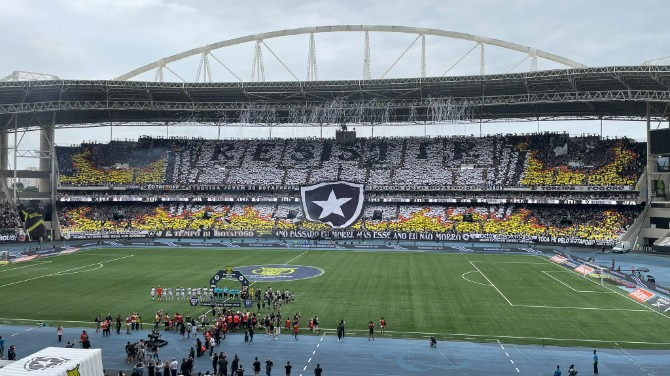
37	263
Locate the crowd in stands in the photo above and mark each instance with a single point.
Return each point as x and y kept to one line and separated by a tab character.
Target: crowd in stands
585	222
546	159
551	160
115	163
9	217
391	165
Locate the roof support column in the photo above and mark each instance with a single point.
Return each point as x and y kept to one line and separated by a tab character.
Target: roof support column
4	151
47	135
649	165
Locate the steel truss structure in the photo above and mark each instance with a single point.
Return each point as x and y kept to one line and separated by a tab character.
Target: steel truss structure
259	41
588	93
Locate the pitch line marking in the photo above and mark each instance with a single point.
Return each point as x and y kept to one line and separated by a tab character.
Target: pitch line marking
546	272
62	271
287	262
81	271
469	280
26	266
511	262
582	308
11	319
494	286
625	296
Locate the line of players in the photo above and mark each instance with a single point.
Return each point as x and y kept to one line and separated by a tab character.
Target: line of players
202	293
208	294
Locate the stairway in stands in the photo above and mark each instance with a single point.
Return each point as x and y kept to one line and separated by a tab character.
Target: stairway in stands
169	168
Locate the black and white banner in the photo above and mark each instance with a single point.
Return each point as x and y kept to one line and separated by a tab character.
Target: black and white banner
338	204
345	234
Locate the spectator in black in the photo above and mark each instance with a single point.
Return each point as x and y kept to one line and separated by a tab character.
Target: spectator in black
340	330
223	364
268	367
257	367
215	362
234	365
572	371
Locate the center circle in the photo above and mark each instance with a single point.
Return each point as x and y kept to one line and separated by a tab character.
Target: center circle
279	272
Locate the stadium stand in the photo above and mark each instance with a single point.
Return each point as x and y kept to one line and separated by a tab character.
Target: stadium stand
502	185
9	218
510	161
594	223
116	163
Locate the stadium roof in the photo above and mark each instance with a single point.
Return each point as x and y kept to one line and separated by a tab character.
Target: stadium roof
588	93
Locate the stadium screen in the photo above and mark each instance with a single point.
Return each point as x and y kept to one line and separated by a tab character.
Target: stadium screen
659	141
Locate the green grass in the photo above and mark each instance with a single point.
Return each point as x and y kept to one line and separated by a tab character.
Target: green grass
533	301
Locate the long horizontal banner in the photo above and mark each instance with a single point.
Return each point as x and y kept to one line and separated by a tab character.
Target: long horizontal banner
368	187
11	236
587	188
343	235
221	198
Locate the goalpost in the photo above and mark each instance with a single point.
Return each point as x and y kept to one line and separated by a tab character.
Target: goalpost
600	272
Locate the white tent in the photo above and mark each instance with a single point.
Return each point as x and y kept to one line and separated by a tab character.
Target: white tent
57	361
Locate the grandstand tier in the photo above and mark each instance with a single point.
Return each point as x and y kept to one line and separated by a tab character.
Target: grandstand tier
541	188
547	160
588	225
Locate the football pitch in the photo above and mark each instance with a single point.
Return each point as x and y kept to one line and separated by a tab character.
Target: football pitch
466	296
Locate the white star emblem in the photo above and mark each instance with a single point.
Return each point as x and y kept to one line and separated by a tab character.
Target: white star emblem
332	206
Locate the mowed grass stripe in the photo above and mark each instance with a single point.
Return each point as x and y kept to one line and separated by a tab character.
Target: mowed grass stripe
415	292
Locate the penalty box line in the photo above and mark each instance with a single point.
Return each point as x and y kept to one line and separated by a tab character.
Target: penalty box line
547	273
648	308
550	307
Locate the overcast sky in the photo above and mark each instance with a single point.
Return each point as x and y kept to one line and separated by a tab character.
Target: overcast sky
106	38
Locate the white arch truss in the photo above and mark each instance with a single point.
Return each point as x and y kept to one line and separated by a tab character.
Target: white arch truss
480	41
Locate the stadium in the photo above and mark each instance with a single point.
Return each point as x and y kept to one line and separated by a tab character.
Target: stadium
499	248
